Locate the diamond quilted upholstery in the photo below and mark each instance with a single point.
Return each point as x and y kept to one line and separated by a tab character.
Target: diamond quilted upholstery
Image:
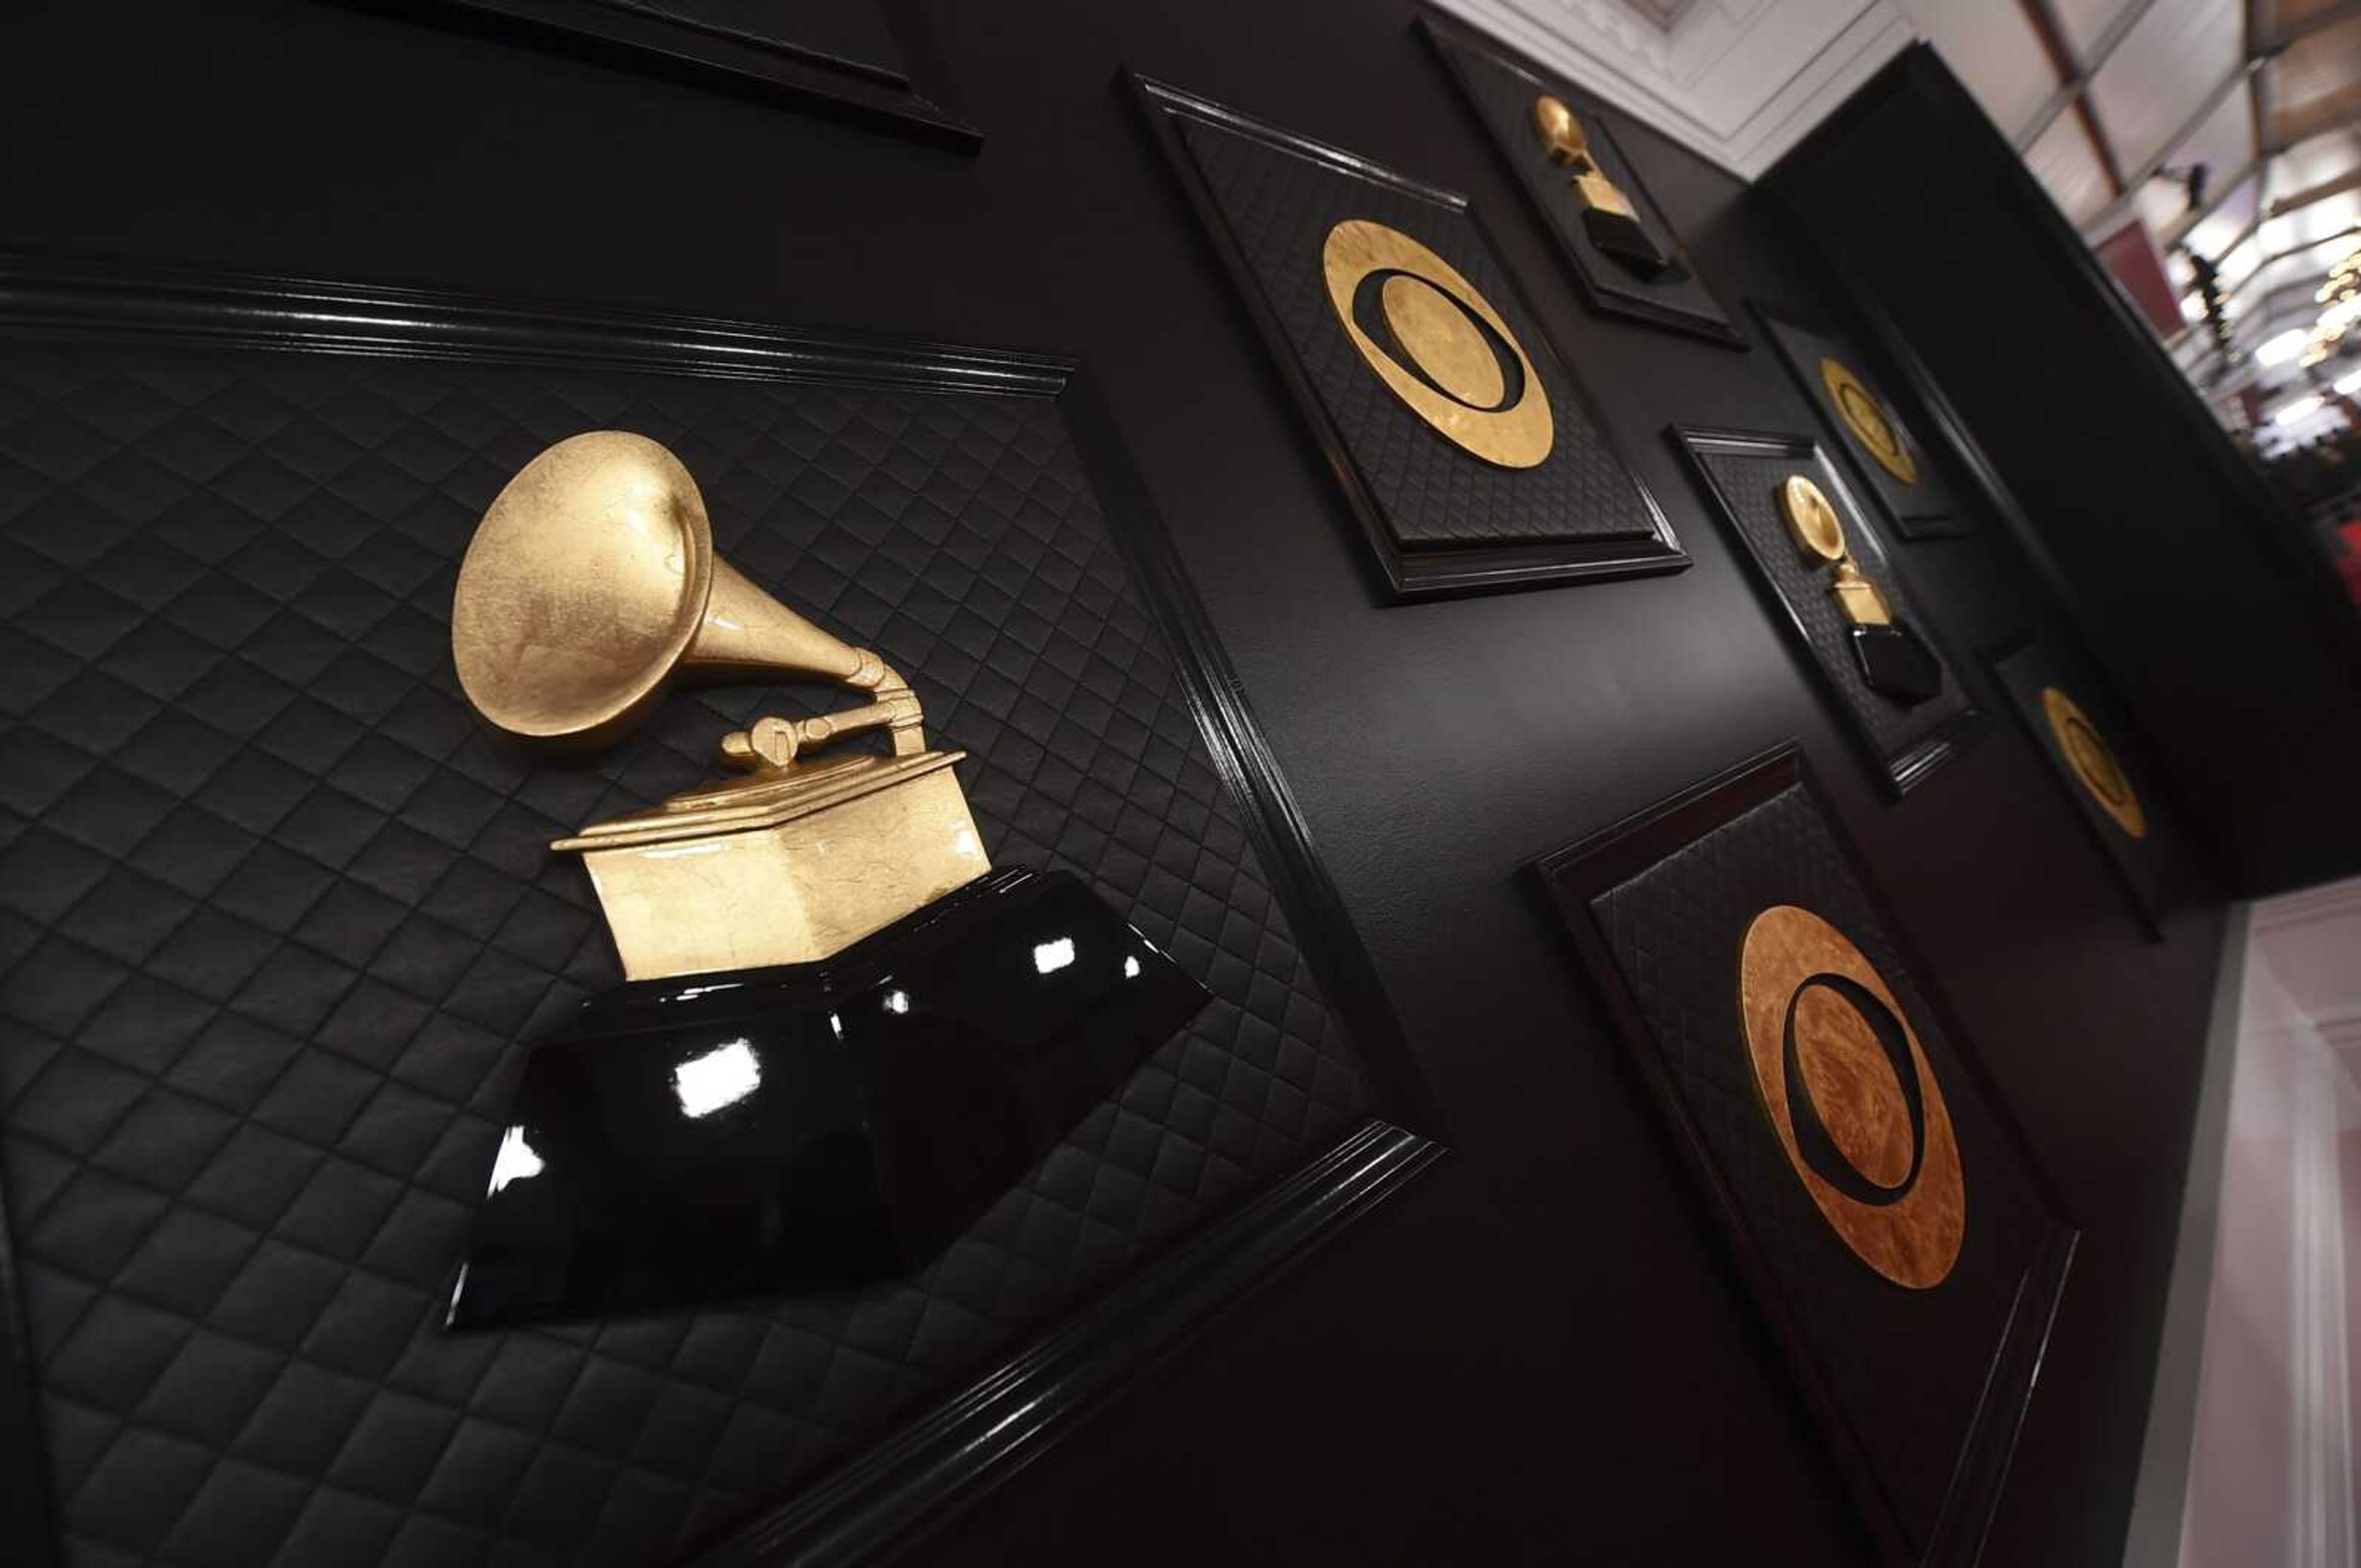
1503	97
1905	1367
276	914
1280	206
1748	485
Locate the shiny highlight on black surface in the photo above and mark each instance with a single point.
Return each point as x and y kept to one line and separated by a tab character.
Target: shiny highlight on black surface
719	1136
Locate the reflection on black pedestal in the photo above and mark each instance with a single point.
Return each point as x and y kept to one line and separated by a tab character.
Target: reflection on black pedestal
723	1135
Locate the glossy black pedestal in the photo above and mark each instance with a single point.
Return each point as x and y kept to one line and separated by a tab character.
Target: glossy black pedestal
724	1135
1894	661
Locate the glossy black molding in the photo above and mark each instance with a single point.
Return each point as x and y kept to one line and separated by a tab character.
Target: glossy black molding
875	65
1424	572
1468	55
1905	766
24	1465
1928	509
724	1135
1567	882
956	1454
908	1483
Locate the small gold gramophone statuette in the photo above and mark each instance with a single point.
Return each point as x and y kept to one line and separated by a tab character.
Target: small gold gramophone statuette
1891	658
1608	215
591	585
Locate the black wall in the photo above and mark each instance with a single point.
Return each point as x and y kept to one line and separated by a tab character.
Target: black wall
2219	620
1540	1352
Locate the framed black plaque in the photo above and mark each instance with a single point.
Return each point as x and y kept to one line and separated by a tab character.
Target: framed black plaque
1458	488
1856	403
871	60
2080	730
1743	471
1889	1219
1501	90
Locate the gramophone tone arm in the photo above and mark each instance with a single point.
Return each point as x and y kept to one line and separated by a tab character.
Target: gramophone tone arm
775	743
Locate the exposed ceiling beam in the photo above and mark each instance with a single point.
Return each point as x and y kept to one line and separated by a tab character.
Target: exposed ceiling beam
2262	164
2312	195
2326	17
2042	16
2333	112
2075	77
2112	216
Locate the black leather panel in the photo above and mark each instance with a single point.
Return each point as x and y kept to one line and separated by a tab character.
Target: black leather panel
1905	1369
1280	205
277	914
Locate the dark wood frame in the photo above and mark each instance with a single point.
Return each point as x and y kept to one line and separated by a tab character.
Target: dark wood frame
912	1479
1408	574
1569	878
923	105
1445	34
1954	524
1902	771
2149	912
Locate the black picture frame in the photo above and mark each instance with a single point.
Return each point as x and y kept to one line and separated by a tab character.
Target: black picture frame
1497	86
2138	865
1904	747
913	1477
1722	810
1929	508
1495	558
870	61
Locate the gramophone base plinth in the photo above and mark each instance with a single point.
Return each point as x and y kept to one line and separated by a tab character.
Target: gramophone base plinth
721	1135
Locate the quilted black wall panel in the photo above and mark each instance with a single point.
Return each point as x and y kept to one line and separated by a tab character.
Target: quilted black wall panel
277	914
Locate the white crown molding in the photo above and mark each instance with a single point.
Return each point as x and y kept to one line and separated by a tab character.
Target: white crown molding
1737	81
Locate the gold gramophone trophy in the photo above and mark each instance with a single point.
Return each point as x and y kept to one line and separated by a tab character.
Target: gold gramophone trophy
1607	216
842	1035
1891	658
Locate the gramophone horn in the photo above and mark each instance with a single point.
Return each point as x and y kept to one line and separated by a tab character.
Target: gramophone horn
592	579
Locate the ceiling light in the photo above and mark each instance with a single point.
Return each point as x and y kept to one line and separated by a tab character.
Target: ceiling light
2285	347
2296	412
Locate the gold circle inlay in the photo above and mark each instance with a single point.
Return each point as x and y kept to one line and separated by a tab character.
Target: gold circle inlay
1839	1068
1516	437
2093	761
1868	421
1848	1079
1811	519
1447	344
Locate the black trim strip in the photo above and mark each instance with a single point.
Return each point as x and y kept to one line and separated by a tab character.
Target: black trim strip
955	1454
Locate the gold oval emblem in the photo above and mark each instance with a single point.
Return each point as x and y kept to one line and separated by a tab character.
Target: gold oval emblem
1867	419
1811	519
1849	1093
1437	344
2093	761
